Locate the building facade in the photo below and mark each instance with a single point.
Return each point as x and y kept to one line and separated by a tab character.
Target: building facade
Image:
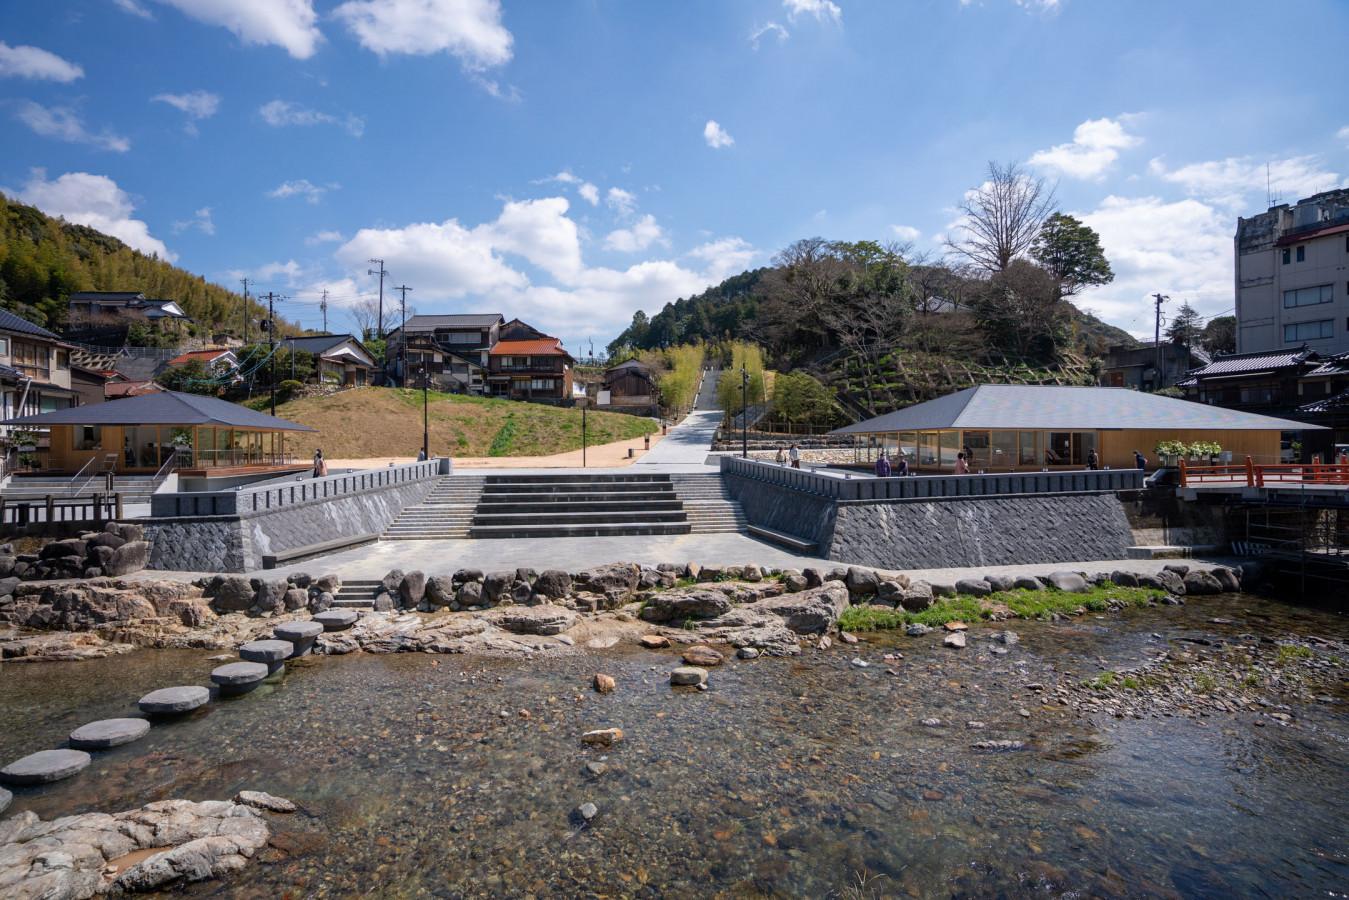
1137	367
339	359
1292	276
453	348
97	311
34	378
526	364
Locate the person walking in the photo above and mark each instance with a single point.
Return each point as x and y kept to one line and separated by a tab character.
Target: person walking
902	469
794	454
1093	461
320	464
882	466
962	467
1140	461
782	456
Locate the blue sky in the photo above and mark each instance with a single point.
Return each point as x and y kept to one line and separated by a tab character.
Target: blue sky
571	162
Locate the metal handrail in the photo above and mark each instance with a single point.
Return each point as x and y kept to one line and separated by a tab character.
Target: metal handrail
169	465
75	487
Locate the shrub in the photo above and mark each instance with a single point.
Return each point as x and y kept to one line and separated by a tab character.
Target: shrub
286	390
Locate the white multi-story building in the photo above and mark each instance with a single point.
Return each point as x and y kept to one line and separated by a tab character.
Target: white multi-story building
1292	276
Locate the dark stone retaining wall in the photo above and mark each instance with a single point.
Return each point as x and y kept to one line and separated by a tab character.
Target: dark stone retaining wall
780	508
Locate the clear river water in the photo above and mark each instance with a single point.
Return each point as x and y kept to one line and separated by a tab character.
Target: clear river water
445	776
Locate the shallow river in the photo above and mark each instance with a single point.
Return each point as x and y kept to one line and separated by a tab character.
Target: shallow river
806	777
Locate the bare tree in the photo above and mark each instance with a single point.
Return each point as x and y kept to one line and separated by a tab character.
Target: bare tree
1002	217
366	313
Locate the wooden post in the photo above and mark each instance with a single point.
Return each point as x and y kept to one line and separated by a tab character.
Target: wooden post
51	509
1183	475
1250	472
117	501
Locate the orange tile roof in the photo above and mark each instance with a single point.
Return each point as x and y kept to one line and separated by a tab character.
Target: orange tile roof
543	347
129	388
203	355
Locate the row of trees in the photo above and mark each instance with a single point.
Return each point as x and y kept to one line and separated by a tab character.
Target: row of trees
732	391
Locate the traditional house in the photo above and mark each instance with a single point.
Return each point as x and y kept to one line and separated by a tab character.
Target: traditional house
34	375
630	384
1005	427
1137	367
101	311
91	385
453	348
527	364
217	361
338	358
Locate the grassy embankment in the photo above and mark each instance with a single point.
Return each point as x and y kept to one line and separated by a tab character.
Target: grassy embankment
375	422
1023	604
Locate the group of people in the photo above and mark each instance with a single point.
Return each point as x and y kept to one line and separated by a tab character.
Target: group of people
885	469
792	455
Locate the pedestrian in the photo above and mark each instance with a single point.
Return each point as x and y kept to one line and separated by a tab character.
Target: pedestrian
1093	461
1140	461
794	454
882	466
902	470
320	464
962	467
782	455
421	455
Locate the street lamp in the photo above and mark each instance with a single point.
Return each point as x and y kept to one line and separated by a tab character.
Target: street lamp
426	416
744	413
584	405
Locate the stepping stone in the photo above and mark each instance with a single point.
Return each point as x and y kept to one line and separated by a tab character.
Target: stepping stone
45	766
239	678
300	634
174	700
337	619
5	799
272	654
107	733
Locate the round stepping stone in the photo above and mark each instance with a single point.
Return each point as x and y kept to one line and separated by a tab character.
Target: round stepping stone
300	634
174	700
45	766
239	677
266	652
5	799
107	733
336	619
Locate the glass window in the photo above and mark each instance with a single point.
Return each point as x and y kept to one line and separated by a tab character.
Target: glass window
1287	256
976	449
88	437
1302	253
1058	448
1030	449
1312	296
927	454
1004	455
908	446
1083	443
4	346
949	446
1309	331
63	359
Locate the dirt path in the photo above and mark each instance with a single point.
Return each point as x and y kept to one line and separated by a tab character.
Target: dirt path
607	455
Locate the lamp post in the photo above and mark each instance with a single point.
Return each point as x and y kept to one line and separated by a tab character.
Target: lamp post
744	413
426	415
584	404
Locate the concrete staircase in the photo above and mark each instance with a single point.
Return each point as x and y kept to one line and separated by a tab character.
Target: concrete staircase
708	507
578	505
446	512
357	595
133	488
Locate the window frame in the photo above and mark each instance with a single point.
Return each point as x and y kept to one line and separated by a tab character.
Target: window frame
1325	294
1294	326
1301	254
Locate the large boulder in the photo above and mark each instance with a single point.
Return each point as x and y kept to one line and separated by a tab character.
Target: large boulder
463	576
127	531
1067	581
496	586
233	593
469	594
440	590
1228	578
391	580
270	598
412	589
973	587
544	619
554	584
1197	582
296	598
616	581
68	547
130	557
7	562
330	583
808	612
1120	578
104	539
917	596
688	603
1028	583
100	556
861	582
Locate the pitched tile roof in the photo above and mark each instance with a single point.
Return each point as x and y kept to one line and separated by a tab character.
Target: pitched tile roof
163	408
541	347
1253	363
1332	365
10	322
1050	407
456	320
203	355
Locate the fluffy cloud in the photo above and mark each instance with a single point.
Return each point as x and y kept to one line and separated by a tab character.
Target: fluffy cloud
469	30
134	8
716	136
1343	135
905	232
64	124
93	200
1182	249
620	201
289	24
589	193
1230	182
288	271
36	64
196	104
280	113
772	28
455	261
201	220
584	189
822	10
324	237
301	187
1095	147
642	234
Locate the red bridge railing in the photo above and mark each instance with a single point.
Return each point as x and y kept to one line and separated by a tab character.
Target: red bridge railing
1253	475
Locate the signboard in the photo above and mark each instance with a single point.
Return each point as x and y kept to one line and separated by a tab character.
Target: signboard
603	398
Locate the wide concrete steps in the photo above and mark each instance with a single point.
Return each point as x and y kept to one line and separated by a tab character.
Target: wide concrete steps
709	507
445	513
572	505
357	595
132	489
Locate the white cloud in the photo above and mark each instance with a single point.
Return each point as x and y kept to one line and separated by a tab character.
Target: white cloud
64	124
288	271
772	28
133	7
642	234
1182	249
822	10
201	220
196	104
289	24
905	232
716	136
620	201
589	193
1343	135
1044	6
454	261
1095	147
36	64
1232	181
93	200
469	30
280	113
301	187
324	237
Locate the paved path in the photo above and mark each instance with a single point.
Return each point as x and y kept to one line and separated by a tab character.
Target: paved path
690	442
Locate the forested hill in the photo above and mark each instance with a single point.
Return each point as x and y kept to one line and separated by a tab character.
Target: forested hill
43	260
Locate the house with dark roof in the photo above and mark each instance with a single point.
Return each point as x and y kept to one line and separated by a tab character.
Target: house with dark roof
1146	367
339	359
452	348
630	383
526	364
34	375
98	312
1011	427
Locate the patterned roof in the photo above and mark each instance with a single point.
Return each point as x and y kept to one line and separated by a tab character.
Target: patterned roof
542	347
10	322
1334	365
1337	403
1251	363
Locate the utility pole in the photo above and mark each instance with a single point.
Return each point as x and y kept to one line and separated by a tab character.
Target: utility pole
426	413
744	413
245	281
323	307
292	359
271	342
403	289
1158	300
379	327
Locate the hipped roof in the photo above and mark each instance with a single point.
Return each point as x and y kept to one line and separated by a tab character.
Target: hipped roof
1056	408
163	408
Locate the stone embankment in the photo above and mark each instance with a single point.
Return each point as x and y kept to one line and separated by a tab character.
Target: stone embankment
153	848
119	549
